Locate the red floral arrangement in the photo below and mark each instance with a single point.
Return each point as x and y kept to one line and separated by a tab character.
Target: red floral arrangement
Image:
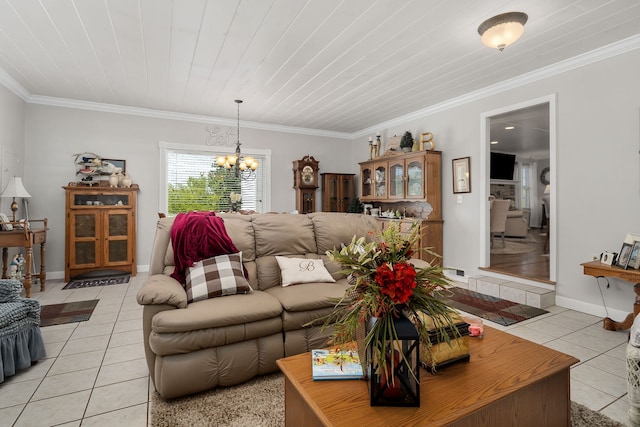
386	283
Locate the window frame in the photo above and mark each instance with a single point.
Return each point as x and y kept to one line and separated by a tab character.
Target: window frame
165	147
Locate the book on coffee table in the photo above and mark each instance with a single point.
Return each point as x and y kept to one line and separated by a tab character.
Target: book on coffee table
336	364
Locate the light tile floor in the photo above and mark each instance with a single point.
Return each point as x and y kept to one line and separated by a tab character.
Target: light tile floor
95	373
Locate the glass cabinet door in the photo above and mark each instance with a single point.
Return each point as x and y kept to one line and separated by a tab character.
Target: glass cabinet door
84	251
366	183
332	188
117	230
346	192
415	178
396	179
380	181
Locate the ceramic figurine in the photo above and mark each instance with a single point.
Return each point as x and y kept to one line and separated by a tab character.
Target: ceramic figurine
126	180
113	179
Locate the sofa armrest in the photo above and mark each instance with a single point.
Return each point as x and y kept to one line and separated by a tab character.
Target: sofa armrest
162	289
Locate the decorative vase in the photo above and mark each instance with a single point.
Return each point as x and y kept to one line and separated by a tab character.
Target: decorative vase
126	180
396	380
113	180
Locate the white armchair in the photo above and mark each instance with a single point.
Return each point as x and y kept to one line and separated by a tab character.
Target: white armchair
517	224
498	218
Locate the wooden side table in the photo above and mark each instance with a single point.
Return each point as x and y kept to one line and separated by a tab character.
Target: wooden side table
25	238
597	269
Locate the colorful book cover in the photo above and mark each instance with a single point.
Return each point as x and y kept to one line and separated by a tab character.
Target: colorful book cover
336	364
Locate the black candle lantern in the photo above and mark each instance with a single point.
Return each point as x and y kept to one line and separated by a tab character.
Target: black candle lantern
397	383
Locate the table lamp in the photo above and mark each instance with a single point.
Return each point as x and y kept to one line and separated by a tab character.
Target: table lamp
15	189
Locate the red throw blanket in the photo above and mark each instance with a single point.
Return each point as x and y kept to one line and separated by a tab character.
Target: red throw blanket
197	236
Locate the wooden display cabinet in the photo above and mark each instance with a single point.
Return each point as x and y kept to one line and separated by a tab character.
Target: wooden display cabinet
414	176
338	191
430	237
100	229
408	177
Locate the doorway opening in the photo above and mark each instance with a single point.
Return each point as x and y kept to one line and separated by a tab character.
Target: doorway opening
518	165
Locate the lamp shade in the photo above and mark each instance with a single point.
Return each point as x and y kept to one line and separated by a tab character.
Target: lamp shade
502	30
15	188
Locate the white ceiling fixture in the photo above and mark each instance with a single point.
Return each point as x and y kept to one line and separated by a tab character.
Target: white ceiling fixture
502	30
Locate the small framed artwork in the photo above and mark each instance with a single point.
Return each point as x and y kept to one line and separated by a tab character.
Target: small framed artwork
634	257
122	164
625	254
462	175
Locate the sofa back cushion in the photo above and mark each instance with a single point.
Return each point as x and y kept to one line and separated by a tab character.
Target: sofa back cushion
283	234
333	229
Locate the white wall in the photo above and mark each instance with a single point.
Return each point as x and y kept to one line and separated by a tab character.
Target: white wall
55	134
12	119
597	181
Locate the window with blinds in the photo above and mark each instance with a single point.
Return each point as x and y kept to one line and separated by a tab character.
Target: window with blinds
195	182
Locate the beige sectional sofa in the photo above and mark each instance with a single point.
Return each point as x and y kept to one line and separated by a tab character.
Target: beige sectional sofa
228	340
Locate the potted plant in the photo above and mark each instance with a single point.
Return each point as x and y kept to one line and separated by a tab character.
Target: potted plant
406	143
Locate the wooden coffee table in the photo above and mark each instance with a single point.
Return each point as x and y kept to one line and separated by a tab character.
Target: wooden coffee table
508	382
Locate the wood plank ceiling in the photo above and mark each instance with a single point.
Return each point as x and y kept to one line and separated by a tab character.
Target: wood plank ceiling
332	65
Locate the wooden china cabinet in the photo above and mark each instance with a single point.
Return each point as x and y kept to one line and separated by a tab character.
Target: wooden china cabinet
338	191
100	229
402	178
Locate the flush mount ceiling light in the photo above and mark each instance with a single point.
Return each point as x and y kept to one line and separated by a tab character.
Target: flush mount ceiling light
502	30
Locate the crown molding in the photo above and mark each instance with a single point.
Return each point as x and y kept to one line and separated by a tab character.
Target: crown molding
171	115
596	55
608	51
10	83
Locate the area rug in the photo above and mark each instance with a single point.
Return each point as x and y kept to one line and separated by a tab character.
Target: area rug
260	403
68	312
510	248
491	308
97	281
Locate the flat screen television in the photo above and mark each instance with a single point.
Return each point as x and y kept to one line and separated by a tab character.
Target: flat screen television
502	166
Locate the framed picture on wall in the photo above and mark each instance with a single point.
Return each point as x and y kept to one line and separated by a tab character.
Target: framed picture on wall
122	164
462	175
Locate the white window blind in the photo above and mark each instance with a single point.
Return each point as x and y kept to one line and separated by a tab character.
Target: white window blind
194	181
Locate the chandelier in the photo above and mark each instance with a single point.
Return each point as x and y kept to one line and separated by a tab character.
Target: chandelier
502	30
243	167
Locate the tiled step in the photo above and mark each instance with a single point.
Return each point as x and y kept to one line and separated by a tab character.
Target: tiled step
513	291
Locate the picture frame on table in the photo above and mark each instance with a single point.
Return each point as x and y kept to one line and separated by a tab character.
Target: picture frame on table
461	175
634	257
122	164
625	254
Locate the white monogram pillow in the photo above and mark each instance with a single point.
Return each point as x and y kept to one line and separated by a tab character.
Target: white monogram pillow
302	270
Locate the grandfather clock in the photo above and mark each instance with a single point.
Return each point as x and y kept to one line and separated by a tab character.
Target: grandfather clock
305	181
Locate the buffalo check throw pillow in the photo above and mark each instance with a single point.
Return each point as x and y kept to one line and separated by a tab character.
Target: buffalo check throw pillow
216	277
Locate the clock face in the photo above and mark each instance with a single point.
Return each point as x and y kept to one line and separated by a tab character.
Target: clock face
307	175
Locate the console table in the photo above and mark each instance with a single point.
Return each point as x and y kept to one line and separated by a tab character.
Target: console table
508	381
25	238
597	269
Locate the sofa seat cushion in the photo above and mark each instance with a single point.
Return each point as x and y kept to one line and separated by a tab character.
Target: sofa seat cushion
309	296
168	344
217	312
